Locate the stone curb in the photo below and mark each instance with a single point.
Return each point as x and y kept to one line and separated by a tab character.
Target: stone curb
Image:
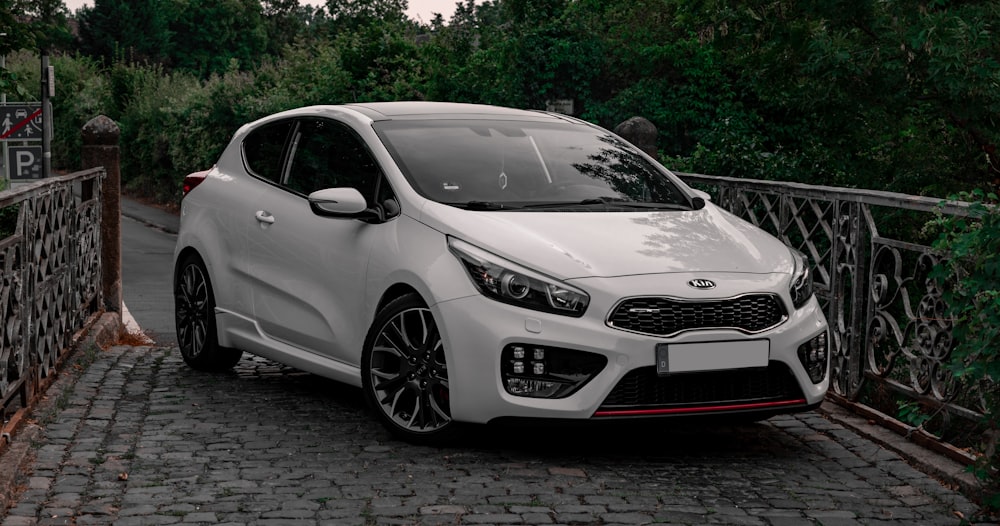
150	216
103	333
940	467
16	451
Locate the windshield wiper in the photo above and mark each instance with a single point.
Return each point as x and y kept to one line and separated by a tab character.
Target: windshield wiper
481	205
585	202
610	202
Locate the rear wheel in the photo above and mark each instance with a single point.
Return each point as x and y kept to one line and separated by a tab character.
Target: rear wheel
194	319
404	374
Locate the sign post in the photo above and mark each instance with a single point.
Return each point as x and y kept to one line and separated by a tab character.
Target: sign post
46	116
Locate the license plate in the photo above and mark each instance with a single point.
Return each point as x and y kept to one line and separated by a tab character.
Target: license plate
711	356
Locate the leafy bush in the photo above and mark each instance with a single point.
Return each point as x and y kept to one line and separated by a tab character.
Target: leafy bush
973	298
149	103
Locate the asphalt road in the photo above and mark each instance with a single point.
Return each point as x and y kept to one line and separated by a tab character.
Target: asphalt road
147	255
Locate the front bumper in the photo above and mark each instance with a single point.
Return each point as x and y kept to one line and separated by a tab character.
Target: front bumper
475	329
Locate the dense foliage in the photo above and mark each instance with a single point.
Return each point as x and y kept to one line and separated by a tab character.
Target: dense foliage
972	292
896	95
899	95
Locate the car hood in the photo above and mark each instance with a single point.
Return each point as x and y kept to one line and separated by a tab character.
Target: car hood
569	245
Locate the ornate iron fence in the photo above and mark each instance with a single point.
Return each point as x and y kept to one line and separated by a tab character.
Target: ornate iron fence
50	258
871	263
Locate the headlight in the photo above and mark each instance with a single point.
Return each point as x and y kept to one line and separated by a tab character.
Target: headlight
511	283
802	281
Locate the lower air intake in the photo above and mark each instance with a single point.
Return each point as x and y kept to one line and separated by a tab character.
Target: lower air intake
643	389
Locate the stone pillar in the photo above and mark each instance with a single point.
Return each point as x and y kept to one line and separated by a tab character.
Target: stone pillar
100	148
641	133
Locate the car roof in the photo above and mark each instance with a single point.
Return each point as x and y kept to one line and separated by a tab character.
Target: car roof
424	110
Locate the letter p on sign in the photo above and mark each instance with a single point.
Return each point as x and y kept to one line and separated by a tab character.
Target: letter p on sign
24	162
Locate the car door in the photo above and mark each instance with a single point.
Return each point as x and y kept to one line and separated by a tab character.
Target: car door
223	209
308	271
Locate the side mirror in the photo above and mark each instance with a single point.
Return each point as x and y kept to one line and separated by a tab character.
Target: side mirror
699	199
337	202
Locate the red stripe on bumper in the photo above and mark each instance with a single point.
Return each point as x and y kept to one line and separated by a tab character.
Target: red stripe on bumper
700	409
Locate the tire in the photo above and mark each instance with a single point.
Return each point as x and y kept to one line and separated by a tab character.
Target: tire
194	319
404	375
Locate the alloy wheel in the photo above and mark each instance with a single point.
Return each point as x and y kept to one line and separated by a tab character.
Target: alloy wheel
191	302
408	374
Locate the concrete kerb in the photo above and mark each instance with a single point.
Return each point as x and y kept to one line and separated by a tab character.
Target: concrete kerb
150	216
947	471
16	448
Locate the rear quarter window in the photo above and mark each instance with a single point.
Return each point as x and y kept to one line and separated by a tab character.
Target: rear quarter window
263	150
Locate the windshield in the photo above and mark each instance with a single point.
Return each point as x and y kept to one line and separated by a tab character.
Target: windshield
507	165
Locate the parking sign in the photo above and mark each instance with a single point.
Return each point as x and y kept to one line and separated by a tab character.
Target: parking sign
24	162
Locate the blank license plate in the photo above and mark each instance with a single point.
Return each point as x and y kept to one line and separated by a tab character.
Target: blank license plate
711	356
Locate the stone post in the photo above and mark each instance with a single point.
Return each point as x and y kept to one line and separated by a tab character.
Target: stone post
641	133
100	148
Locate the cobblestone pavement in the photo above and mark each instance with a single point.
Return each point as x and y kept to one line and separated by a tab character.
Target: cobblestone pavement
139	438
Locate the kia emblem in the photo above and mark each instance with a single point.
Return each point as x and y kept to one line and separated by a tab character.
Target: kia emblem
703	284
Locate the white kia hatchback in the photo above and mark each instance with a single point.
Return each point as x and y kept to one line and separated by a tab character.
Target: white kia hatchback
468	264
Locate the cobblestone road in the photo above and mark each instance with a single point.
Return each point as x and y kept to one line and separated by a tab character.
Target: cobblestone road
141	439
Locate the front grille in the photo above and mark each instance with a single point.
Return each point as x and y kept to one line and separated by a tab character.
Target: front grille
642	388
661	316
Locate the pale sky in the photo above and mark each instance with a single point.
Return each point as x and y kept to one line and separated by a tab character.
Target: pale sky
419	9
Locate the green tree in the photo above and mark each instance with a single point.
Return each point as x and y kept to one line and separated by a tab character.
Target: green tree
30	24
213	36
17	33
350	14
376	46
382	61
16	36
134	30
287	21
46	23
882	94
457	55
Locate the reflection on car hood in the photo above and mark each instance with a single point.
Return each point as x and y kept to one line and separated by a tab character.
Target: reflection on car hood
605	244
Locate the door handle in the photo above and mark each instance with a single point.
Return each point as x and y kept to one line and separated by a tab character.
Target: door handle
264	217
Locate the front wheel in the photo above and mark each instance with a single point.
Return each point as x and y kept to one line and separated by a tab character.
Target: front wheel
194	319
404	374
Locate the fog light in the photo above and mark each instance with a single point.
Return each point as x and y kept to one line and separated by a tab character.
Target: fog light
553	372
532	388
815	356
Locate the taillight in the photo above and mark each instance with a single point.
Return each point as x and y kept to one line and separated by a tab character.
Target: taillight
193	180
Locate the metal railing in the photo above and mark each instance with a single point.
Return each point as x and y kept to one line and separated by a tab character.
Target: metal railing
871	261
50	259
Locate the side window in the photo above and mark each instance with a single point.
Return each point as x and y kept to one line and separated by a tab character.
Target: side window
263	149
326	154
